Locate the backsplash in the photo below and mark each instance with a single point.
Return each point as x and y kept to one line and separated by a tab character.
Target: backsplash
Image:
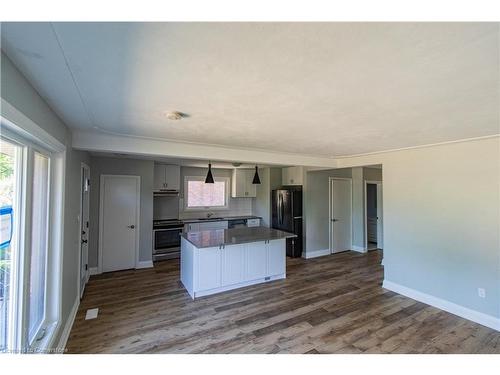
237	207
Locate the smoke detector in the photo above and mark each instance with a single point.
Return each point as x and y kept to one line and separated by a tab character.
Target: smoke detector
175	115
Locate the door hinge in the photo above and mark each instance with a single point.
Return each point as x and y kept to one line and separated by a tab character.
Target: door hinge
86	267
87	224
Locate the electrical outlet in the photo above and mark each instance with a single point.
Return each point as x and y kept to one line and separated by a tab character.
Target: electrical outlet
481	292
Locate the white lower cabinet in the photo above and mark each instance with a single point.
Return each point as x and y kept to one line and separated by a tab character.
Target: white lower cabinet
233	264
256	261
208	264
276	258
212	270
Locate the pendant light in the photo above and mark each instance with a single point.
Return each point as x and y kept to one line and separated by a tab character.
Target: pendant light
256	178
209	179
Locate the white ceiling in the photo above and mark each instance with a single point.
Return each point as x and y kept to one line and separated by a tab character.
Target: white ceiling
185	162
325	89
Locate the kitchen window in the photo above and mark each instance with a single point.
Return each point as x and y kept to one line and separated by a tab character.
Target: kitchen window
199	195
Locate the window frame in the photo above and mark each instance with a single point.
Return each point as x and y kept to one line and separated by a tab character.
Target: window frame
44	323
19	129
226	181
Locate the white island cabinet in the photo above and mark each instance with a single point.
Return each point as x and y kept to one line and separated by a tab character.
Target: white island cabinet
230	265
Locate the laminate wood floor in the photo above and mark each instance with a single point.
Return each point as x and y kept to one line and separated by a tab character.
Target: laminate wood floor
332	304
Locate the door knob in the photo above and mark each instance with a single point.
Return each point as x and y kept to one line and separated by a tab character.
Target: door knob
131	226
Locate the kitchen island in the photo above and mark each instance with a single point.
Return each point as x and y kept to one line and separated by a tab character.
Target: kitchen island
214	261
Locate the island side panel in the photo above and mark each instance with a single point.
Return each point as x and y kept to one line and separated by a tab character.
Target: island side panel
187	266
276	258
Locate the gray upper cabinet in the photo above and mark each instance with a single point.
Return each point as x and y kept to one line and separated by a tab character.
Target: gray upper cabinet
241	184
167	177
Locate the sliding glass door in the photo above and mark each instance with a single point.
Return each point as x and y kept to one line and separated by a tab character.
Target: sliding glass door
25	204
10	189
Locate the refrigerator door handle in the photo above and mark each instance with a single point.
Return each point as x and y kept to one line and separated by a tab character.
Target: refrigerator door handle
280	209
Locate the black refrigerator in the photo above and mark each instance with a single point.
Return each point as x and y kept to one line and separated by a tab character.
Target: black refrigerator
287	216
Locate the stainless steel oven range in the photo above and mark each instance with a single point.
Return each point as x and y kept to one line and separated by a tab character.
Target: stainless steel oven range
167	239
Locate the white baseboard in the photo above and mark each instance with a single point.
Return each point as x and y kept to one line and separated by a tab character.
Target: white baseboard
316	253
464	312
141	264
360	249
69	324
144	264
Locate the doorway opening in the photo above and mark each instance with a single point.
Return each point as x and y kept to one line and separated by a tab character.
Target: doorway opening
373	215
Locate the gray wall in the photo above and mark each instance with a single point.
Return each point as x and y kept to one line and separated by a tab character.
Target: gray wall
441	222
122	166
316	207
16	90
237	206
270	179
372	174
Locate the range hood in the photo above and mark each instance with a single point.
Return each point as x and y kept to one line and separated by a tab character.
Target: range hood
166	193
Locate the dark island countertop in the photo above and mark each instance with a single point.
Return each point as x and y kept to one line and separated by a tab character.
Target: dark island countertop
234	236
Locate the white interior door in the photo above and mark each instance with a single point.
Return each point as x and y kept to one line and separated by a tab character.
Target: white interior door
341	215
84	227
119	222
380	218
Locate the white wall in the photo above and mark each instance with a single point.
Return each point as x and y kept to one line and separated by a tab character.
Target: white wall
441	220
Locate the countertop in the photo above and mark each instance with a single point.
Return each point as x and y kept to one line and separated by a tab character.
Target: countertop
234	236
228	218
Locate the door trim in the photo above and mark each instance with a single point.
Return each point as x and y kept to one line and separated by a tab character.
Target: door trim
365	219
87	276
101	215
330	210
